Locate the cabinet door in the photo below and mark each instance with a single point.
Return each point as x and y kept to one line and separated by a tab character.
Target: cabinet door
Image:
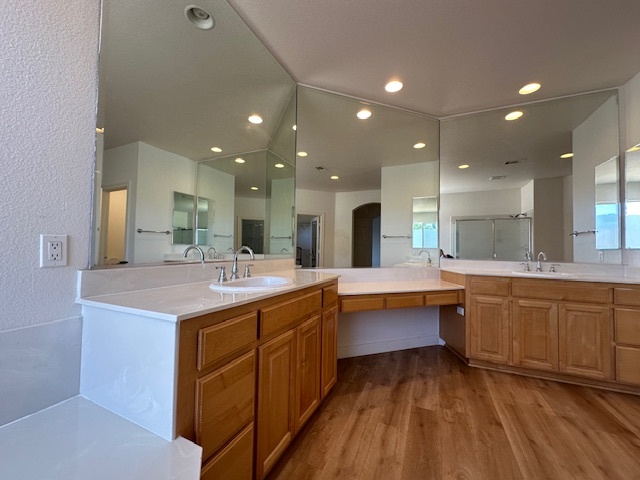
275	416
585	341
235	461
489	328
535	334
329	375
307	391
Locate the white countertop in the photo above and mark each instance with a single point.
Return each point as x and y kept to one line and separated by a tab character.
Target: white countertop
180	302
79	440
395	286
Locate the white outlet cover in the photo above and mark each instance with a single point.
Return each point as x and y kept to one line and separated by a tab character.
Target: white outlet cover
45	240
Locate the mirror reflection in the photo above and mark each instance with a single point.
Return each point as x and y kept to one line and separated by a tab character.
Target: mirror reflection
540	166
632	203
607	205
362	174
172	96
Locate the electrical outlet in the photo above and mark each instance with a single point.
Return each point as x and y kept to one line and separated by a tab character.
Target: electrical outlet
53	250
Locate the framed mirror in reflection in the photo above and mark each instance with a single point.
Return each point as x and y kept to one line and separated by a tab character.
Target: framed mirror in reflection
541	166
172	97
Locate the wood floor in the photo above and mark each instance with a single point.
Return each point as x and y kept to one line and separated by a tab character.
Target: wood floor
422	414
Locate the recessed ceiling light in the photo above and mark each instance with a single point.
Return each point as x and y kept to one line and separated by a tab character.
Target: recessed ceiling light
216	149
497	177
462	167
635	148
239	160
99	130
393	86
420	145
254	188
530	88
279	165
295	127
363	114
513	115
334	177
566	155
302	154
199	17
257	119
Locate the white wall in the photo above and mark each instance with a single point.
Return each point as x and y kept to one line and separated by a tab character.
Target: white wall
219	187
399	185
311	202
496	202
281	216
160	173
594	141
346	202
48	95
549	218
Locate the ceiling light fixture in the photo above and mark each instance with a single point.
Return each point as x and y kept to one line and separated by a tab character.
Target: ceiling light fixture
279	165
419	145
393	86
255	119
199	17
302	154
530	88
462	167
334	177
566	155
99	130
254	188
216	149
295	127
513	115
363	114
239	160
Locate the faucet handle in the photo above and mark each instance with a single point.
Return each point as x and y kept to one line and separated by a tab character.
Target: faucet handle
247	272
223	275
526	267
553	267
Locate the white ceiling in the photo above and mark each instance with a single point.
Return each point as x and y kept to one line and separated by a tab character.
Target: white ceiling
454	56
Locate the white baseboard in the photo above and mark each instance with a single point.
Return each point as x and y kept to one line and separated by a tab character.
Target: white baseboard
347	351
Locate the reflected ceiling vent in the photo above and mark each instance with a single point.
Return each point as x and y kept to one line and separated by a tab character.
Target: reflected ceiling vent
319	168
199	17
497	177
513	162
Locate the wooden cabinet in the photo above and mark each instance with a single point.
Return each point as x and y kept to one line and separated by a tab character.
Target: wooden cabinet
250	376
329	375
627	339
490	335
276	397
535	334
309	369
585	341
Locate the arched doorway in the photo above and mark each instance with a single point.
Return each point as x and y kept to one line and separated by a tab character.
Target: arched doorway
365	248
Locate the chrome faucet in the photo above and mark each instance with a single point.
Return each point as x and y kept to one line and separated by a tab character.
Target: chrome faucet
428	255
539	264
234	268
214	255
193	247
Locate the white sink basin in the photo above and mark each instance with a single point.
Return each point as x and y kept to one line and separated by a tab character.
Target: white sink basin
264	283
543	274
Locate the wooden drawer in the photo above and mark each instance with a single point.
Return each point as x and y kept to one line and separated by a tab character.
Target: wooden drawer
405	300
628	365
628	326
224	403
495	286
559	291
442	298
360	303
287	314
223	339
329	296
626	296
235	461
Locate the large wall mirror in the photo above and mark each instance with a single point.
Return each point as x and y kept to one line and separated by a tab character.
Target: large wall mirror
554	165
174	103
632	201
356	156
